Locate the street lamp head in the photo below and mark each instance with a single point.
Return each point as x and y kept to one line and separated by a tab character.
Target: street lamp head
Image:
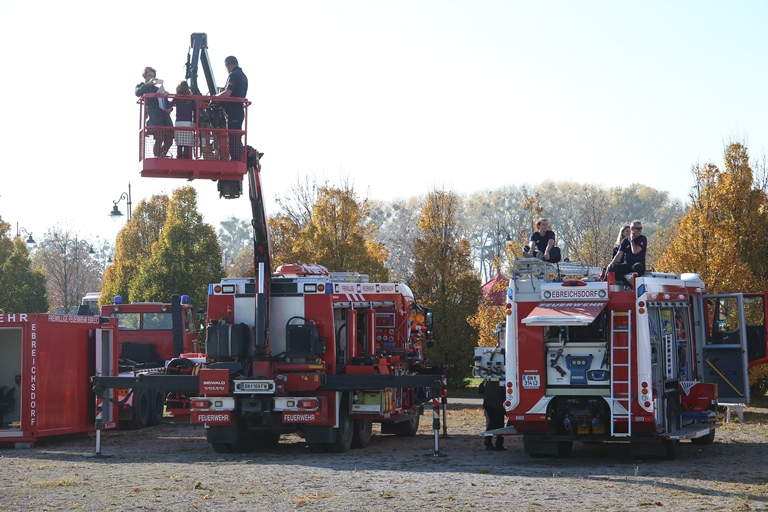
19	231
115	213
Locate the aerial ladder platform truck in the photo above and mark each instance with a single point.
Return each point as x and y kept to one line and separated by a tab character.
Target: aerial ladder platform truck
298	348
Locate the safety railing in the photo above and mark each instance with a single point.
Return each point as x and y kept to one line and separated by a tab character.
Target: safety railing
201	149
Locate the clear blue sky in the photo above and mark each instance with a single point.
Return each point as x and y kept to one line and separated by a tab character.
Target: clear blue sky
398	96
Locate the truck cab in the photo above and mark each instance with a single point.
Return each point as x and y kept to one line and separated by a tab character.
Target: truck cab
153	333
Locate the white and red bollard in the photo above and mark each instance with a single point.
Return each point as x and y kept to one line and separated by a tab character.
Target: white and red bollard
436	427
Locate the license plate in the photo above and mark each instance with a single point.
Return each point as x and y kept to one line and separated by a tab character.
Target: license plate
531	382
256	386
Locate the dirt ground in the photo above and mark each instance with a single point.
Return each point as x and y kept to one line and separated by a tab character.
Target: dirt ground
171	467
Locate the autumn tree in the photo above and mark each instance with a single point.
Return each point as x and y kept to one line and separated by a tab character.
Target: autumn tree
724	234
490	312
445	280
297	205
134	246
234	235
69	269
185	259
243	264
23	289
337	234
284	233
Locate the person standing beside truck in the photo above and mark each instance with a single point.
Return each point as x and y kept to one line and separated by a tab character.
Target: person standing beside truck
494	395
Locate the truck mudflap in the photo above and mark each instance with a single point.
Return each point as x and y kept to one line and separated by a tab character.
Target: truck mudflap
504	431
691	431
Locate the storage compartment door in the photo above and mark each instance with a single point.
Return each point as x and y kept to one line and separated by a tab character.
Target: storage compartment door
724	354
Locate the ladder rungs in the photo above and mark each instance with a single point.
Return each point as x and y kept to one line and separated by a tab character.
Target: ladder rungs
621	390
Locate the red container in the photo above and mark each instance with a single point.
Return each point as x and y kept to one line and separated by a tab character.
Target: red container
46	362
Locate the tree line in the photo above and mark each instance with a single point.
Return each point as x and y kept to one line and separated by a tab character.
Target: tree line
443	245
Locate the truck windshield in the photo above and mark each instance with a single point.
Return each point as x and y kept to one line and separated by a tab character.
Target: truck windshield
158	322
128	321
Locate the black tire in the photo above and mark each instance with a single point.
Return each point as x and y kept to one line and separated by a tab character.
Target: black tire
705	440
344	433
564	448
671	448
156	407
222	447
362	432
266	439
140	417
407	428
246	439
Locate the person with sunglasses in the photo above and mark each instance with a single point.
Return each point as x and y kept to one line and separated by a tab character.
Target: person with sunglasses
632	251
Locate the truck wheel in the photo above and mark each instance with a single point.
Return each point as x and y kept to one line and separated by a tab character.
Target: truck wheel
156	407
704	440
361	434
564	448
246	439
140	409
671	448
407	428
344	433
222	447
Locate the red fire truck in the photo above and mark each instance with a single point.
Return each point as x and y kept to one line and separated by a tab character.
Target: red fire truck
585	360
155	337
341	354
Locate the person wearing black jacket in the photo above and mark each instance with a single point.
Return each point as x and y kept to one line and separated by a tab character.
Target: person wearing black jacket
494	395
632	251
237	87
156	115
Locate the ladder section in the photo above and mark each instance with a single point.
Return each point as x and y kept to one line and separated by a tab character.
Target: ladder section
621	371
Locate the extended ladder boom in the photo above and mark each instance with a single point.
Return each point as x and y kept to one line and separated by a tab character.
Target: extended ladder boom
198	53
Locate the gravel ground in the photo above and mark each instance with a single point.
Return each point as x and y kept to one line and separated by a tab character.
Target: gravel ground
171	467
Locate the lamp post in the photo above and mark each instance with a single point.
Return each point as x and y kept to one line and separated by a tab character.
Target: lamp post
507	239
497	238
30	240
102	253
115	213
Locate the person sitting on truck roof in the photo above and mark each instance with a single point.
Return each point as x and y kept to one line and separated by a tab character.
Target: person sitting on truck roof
632	251
623	233
156	114
542	244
